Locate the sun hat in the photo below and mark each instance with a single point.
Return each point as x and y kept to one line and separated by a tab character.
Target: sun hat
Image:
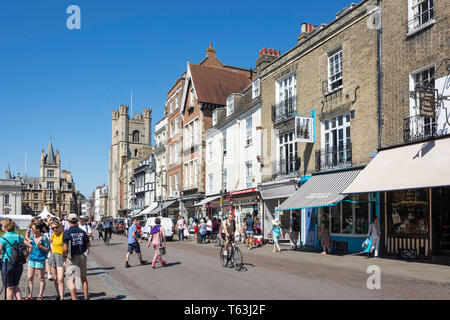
72	217
275	222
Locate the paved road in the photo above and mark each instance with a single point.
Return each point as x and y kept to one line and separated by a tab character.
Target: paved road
194	272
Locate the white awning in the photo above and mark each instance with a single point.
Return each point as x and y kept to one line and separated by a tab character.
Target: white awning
416	166
147	210
277	189
206	200
320	190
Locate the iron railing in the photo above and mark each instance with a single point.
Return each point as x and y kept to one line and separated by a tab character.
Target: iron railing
334	157
286	167
284	110
418	128
423	17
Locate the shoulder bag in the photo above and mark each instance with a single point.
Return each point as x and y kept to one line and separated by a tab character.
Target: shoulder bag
161	249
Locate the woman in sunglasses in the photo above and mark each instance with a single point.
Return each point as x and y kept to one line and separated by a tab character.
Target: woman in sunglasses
56	262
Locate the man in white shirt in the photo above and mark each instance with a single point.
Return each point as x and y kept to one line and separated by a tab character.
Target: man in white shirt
86	228
208	228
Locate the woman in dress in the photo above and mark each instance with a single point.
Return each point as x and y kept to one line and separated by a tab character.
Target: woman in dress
276	232
325	239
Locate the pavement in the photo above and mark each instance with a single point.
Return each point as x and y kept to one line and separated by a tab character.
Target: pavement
414	270
105	279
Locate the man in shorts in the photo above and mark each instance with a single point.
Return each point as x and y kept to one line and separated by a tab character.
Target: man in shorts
75	244
295	231
133	243
229	228
249	227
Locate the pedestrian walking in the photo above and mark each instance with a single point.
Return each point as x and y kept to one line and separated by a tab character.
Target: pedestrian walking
276	233
295	231
133	243
100	229
180	226
29	232
56	260
375	233
325	240
158	241
40	247
11	270
202	231
75	244
249	228
127	225
209	229
195	225
47	233
86	228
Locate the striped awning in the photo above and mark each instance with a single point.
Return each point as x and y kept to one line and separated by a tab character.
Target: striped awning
320	190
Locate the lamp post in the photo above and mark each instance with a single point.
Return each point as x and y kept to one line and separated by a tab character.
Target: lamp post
161	190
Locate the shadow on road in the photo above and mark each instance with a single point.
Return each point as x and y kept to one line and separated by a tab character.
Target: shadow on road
170	264
101	268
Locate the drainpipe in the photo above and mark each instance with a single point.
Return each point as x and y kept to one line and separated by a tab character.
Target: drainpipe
379	76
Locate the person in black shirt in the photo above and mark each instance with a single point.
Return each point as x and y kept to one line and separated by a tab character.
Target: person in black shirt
75	244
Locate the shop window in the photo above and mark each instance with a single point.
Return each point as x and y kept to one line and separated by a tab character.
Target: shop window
351	216
409	212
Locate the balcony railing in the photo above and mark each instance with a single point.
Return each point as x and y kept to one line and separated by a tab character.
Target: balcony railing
334	157
418	128
286	167
422	19
284	110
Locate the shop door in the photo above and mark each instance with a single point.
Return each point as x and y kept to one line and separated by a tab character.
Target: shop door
310	227
441	217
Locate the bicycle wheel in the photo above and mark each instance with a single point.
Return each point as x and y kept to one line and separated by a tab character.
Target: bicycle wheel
223	258
238	261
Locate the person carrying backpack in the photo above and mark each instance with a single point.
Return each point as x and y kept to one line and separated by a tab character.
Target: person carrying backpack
14	257
295	230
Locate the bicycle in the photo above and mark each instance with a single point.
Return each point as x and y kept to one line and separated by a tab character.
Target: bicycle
235	256
107	236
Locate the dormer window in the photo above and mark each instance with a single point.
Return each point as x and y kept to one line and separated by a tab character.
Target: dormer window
230	105
256	88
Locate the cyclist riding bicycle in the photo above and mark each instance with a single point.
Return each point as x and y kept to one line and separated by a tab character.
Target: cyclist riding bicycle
229	228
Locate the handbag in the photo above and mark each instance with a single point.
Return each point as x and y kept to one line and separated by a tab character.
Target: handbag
161	249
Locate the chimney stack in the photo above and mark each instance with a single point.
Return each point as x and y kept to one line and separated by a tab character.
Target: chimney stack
306	28
266	56
210	52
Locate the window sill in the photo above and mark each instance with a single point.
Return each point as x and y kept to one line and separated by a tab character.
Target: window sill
420	28
333	91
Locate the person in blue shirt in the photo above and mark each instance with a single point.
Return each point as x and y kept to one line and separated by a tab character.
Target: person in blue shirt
133	243
108	228
11	274
36	262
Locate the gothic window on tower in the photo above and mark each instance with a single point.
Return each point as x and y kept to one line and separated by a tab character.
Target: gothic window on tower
136	136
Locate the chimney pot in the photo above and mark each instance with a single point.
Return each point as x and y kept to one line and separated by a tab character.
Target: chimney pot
278	52
303	27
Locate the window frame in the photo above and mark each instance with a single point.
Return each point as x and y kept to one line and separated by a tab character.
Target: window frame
339	79
256	88
230	105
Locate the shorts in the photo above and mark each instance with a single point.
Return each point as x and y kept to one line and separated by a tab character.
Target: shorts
250	233
208	233
276	239
79	260
12	273
134	247
36	264
56	260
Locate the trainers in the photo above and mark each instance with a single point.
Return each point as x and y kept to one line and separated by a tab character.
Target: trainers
225	254
49	277
143	261
127	265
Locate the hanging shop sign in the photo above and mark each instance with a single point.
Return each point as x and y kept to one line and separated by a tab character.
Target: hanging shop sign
427	102
304	128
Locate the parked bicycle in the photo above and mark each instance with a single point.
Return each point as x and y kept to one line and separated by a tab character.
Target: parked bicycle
234	256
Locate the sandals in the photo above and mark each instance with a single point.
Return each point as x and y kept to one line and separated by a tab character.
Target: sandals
40	298
27	298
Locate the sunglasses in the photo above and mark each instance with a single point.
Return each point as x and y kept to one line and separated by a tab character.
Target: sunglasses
54	228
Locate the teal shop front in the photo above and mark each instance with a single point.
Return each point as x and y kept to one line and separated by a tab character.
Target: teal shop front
349	216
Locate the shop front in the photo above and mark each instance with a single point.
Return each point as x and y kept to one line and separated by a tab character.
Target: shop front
245	202
273	194
413	182
349	216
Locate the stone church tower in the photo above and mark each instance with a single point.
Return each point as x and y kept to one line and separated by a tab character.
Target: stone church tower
130	138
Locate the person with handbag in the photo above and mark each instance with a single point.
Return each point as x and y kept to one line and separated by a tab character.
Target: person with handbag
158	241
374	233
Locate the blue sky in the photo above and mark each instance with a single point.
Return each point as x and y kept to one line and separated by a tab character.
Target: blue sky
65	83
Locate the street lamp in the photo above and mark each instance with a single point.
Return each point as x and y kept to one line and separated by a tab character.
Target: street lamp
161	190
